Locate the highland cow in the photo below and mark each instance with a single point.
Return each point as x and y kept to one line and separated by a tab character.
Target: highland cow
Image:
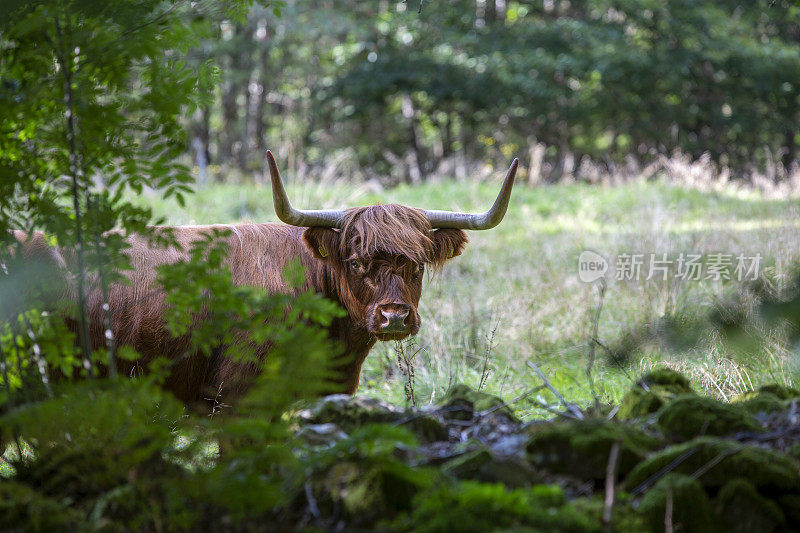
370	260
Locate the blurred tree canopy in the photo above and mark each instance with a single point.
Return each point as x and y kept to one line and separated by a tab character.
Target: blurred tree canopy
384	86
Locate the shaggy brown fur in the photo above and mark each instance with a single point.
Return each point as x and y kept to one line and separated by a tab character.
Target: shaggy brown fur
364	233
373	265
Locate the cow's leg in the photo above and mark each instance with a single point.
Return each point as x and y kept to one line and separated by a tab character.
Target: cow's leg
350	372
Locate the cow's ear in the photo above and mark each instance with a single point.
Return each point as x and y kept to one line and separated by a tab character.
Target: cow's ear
323	242
447	243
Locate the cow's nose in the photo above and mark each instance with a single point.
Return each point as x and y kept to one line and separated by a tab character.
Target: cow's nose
393	318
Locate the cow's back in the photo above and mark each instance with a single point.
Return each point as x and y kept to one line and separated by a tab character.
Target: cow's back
257	256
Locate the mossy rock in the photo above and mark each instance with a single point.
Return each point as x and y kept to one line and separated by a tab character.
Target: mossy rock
484	466
367	492
654	390
690	506
666	377
463	403
623	515
690	416
468	507
24	509
769	471
794	451
321	434
426	427
781	391
756	402
581	448
351	412
767	398
639	403
741	509
790	504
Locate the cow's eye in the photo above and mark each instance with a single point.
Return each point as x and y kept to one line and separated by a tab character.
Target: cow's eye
355	264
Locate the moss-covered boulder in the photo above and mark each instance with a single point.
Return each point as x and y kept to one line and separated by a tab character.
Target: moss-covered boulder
468	507
367	491
760	403
321	434
690	507
484	466
654	390
425	426
719	461
623	515
741	509
581	448
639	403
463	403
351	412
766	399
781	391
369	476
690	416
790	504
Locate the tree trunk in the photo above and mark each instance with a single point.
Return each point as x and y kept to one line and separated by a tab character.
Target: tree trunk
261	120
790	151
416	159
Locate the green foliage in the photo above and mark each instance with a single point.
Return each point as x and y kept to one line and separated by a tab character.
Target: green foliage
22	507
781	392
767	398
51	345
113	446
99	451
91	100
88	85
221	313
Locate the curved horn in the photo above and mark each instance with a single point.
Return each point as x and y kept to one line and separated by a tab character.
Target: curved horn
295	217
487	220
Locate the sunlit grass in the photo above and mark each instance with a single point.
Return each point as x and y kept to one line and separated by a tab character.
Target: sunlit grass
520	281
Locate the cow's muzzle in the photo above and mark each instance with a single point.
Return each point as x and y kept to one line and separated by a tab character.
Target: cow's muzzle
393	318
393	321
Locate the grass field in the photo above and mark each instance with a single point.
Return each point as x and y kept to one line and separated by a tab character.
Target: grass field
514	296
